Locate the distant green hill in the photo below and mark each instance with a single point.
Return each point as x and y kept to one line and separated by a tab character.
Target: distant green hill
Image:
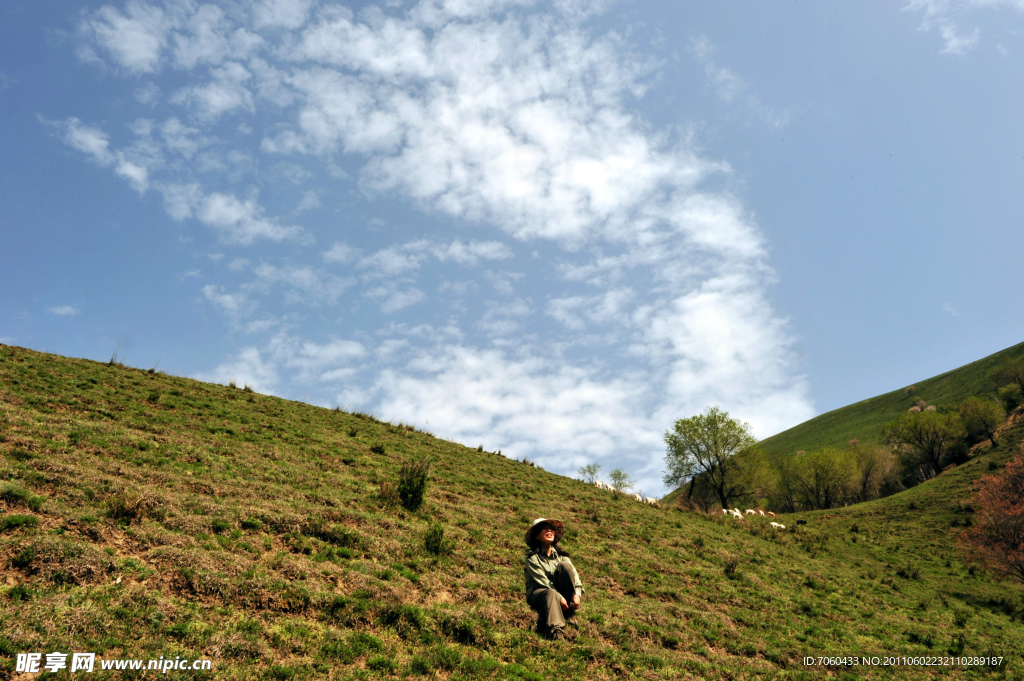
145	516
864	420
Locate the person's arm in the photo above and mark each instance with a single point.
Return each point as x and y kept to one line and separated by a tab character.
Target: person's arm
535	575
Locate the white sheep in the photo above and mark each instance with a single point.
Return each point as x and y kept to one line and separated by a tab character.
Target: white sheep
751	511
760	512
600	484
778	526
638	497
652	501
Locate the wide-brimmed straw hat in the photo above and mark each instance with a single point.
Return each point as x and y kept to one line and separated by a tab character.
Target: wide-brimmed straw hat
555	525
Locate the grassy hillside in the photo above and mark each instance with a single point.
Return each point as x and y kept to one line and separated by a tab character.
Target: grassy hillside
864	420
176	518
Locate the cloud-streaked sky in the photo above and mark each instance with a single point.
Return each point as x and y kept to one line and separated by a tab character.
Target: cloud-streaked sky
551	228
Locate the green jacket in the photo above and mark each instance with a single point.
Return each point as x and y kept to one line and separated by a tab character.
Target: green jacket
540	571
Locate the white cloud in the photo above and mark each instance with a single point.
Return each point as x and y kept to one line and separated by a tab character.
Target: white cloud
181	138
308	285
525	406
235	305
329	361
945	16
395	300
64	311
94	143
339	253
148	94
224	94
89	140
470	253
517	122
505	319
134	40
310	201
247	368
281	13
240	221
208	37
731	88
389	262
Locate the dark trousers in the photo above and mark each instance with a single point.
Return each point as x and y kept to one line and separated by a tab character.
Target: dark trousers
545	601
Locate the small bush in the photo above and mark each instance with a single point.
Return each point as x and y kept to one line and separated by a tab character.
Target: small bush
731	564
11	522
125	508
909	572
387	493
1010	396
435	543
338	535
13	494
252	524
63	562
381	664
412	483
377	448
19	454
221	526
20	593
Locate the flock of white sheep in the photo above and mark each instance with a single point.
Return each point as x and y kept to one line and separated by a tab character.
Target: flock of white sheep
643	500
734	512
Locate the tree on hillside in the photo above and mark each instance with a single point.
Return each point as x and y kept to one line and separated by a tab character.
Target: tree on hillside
996	538
1011	395
781	490
876	472
589	472
924	440
980	418
620	481
706	446
1013	372
823	479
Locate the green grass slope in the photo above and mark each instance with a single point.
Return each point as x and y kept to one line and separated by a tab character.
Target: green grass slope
864	420
146	516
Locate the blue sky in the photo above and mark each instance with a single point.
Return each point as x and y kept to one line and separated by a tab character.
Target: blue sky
551	228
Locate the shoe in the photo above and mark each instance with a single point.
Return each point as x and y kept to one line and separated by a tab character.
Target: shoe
557	634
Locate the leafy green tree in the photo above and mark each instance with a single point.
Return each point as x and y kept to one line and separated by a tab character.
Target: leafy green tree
824	478
1010	396
980	418
923	440
781	490
875	472
1013	372
620	481
589	472
706	446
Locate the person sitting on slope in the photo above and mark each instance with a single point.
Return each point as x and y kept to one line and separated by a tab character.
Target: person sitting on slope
553	587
